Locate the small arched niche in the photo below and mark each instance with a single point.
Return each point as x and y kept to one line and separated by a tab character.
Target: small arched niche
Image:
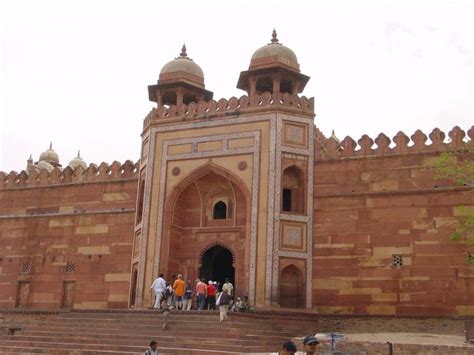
293	190
219	211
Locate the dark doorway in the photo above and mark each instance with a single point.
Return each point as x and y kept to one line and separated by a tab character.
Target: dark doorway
287	200
220	210
217	265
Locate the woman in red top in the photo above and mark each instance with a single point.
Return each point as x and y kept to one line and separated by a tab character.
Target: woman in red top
211	296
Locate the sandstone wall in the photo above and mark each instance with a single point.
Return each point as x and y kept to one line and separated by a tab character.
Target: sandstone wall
374	210
66	237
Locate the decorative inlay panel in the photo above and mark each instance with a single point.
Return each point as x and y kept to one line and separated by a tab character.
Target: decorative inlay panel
293	217
309	236
293	236
271	215
295	134
145	220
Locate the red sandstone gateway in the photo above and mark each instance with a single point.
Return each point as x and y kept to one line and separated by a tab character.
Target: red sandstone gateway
247	189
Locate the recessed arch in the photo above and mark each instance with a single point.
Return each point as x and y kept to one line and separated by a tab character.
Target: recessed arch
183	244
291	287
293	189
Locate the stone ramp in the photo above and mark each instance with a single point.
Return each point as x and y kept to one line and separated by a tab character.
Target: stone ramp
130	331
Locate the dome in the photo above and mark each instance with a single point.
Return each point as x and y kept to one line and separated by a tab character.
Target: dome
44	165
274	52
77	162
49	155
182	64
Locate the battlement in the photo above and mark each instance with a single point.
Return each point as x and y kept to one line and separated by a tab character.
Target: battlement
330	149
94	173
224	107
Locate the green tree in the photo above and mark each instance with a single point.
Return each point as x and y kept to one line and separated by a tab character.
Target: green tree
458	166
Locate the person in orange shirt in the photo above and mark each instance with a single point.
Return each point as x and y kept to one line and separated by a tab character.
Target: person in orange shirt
179	287
201	293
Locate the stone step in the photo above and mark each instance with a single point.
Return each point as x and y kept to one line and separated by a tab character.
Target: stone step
15	350
188	342
188	318
211	322
175	324
169	333
78	346
129	332
199	314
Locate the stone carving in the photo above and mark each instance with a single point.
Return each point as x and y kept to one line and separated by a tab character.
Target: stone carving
242	165
205	109
176	171
328	149
104	172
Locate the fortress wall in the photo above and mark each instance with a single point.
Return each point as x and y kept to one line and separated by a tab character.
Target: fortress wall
67	231
371	209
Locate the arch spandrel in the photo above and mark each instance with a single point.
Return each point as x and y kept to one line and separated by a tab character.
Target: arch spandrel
177	186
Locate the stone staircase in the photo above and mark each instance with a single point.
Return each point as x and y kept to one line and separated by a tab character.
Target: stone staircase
130	331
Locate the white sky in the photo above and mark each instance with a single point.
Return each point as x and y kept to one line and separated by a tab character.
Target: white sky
76	72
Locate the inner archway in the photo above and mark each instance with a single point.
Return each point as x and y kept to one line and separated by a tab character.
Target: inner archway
217	265
190	229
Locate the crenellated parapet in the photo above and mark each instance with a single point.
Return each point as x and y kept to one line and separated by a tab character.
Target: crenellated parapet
233	106
330	149
93	173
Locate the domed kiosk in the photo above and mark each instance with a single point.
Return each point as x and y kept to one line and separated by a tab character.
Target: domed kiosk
50	156
181	81
77	162
273	68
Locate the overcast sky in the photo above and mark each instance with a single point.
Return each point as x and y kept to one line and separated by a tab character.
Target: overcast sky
76	72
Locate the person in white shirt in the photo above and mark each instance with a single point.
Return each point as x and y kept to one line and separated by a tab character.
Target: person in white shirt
158	287
228	287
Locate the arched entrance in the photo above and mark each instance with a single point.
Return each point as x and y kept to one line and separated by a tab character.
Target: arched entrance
291	288
217	265
208	208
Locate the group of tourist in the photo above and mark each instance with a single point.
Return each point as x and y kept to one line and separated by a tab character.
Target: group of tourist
183	295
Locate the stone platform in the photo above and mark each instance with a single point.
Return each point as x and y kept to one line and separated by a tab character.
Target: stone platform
130	331
190	333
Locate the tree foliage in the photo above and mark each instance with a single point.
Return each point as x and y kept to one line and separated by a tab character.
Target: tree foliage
459	167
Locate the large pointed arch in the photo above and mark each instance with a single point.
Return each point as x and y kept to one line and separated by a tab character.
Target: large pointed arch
168	258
